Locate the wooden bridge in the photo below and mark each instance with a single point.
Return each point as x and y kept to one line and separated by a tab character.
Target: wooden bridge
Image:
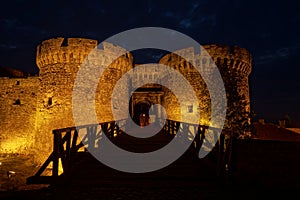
80	167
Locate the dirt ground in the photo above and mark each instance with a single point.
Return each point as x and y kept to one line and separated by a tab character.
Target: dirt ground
266	169
14	169
13	186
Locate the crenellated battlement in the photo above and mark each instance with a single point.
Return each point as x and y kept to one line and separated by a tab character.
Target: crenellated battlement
75	51
234	57
53	51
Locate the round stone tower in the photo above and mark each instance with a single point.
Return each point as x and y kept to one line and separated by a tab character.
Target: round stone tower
59	63
234	64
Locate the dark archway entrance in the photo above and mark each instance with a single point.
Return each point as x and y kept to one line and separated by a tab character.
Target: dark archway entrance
141	113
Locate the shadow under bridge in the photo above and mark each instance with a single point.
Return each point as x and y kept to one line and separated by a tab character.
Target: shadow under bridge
72	163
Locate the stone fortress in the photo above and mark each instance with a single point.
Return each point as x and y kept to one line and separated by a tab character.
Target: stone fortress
31	107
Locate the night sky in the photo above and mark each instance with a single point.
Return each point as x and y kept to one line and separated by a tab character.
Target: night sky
269	29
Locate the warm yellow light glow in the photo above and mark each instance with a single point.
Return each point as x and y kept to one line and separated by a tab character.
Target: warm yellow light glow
48	172
60	167
205	122
15	145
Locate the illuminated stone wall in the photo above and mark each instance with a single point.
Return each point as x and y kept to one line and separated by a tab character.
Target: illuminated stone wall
32	107
18	98
185	67
234	64
58	68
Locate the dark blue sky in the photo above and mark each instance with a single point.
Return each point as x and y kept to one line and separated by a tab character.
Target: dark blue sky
269	29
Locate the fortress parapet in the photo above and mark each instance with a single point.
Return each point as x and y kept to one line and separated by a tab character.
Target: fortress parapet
235	58
75	51
53	51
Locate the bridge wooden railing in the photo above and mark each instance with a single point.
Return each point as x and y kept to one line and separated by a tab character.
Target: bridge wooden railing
67	142
196	132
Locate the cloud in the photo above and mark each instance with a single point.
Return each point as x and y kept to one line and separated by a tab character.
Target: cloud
150	6
283	52
7	46
15	25
185	23
200	20
8	24
278	54
169	14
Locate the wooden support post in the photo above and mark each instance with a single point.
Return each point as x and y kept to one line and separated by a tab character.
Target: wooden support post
67	152
220	167
118	129
112	129
185	132
177	127
201	135
56	146
91	131
197	131
74	140
45	165
172	128
104	127
165	126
